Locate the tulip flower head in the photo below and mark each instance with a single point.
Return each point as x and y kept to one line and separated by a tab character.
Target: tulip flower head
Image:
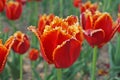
2	5
88	6
21	43
33	54
60	39
77	3
4	51
13	10
98	28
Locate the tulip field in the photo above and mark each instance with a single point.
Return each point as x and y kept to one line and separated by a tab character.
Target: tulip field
59	39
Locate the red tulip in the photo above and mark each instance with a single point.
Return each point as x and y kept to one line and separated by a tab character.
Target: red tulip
13	10
2	5
77	3
6	29
98	28
33	54
60	39
21	43
88	6
4	51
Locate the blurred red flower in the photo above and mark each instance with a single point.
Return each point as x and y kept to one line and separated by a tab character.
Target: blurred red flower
33	54
60	39
13	10
88	6
6	29
4	51
77	3
98	28
2	5
21	43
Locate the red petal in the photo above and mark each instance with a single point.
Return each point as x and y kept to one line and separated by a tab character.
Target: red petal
37	33
95	37
67	53
3	56
104	22
4	51
51	40
86	20
49	43
71	20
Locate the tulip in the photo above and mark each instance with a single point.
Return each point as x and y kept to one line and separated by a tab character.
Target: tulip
13	10
4	51
88	6
76	3
33	54
2	5
98	28
60	39
21	43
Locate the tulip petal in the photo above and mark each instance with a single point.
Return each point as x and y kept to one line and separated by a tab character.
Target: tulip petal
66	53
86	21
4	51
95	37
71	20
51	40
104	22
37	33
3	56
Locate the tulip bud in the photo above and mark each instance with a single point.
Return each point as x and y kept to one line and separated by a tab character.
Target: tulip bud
13	10
2	5
33	54
21	43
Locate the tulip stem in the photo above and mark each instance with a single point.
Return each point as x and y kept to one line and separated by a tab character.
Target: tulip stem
12	23
45	70
21	65
59	74
51	6
33	65
94	63
117	50
61	8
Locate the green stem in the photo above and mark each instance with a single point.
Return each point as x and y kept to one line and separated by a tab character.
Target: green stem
45	70
21	65
33	65
51	6
61	8
117	54
33	18
59	74
12	23
0	22
94	63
